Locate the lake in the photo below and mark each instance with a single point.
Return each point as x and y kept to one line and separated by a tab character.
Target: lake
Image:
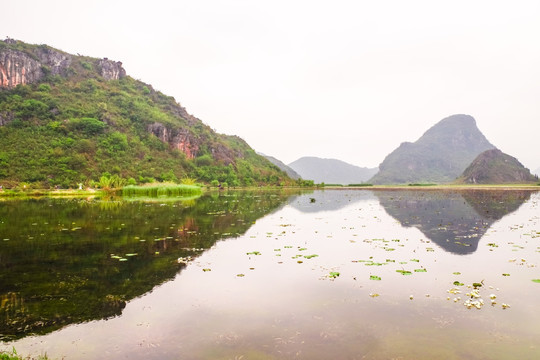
330	274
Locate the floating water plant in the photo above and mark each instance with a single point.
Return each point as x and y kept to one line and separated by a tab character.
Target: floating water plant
374	277
253	253
536	281
420	270
333	274
404	272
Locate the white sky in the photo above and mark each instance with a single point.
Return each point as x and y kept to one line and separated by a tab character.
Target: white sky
349	80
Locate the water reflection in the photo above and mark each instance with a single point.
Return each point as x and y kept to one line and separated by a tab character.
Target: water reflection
329	200
65	261
454	220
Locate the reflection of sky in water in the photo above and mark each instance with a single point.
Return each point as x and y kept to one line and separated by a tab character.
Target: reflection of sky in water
284	309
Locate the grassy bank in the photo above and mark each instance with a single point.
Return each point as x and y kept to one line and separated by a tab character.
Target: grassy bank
48	192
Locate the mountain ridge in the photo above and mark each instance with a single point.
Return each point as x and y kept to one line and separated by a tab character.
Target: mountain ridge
331	171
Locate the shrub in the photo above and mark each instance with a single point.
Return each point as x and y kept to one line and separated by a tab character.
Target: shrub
89	126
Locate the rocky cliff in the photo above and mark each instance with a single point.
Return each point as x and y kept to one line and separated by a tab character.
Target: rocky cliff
21	64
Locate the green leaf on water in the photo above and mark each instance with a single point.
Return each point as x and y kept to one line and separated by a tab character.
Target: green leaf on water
302	249
456	273
310	256
420	270
205	270
415	260
333	274
253	253
505	274
457	283
404	272
374	277
536	281
240	275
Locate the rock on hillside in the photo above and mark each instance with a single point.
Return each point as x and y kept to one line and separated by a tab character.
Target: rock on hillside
495	167
439	156
331	171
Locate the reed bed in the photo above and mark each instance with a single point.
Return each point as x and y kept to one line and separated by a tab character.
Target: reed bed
161	190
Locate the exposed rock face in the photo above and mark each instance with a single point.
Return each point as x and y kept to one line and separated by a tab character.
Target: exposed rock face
111	70
184	140
18	68
495	167
28	67
177	139
439	156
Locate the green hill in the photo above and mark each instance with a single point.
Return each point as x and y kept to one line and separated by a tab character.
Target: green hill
67	119
439	156
495	167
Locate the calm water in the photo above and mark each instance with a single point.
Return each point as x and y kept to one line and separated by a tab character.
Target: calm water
274	275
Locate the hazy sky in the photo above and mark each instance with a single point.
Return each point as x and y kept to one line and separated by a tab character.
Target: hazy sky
338	79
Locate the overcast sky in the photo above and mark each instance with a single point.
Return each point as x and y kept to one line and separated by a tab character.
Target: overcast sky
349	80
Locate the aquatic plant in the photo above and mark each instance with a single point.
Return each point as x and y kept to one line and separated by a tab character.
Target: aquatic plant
161	189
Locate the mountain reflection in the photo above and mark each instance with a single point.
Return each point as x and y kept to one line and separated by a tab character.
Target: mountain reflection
65	261
454	220
328	200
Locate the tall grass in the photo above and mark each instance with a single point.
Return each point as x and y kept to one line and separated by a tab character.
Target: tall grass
161	189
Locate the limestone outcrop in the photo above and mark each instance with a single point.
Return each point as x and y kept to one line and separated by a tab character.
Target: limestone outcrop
111	70
21	66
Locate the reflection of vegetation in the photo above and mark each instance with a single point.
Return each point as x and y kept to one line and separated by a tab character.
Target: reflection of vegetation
71	260
454	220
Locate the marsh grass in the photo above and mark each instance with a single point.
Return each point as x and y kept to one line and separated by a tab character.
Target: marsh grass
12	355
161	190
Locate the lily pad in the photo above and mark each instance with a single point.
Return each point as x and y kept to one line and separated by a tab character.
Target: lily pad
420	270
536	281
374	277
333	274
457	283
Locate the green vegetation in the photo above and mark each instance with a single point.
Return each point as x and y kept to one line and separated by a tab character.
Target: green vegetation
360	185
163	189
12	355
83	128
